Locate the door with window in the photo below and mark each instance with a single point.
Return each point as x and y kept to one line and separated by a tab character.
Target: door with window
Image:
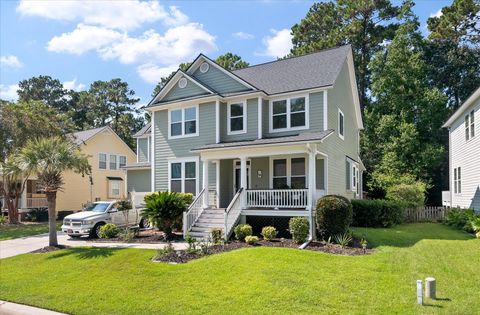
237	176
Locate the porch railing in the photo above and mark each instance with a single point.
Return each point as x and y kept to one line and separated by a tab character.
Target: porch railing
193	213
212	197
37	202
277	198
232	213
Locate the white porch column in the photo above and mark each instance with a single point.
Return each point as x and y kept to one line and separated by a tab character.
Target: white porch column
243	179
205	184
217	183
311	186
260	118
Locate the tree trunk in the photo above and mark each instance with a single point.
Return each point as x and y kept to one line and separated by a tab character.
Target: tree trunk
12	210
52	215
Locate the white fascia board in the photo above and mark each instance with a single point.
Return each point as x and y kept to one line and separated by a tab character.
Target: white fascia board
353	85
459	113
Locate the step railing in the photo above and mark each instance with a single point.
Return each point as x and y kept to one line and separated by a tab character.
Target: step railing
193	213
212	197
37	203
277	198
232	214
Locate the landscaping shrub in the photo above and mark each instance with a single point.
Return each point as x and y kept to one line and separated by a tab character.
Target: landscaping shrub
109	230
460	219
37	215
164	208
251	240
217	235
269	232
298	227
334	215
343	239
377	213
413	195
3	219
242	231
475	223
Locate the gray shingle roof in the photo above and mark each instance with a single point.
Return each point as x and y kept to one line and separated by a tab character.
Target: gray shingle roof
302	137
144	131
297	73
82	136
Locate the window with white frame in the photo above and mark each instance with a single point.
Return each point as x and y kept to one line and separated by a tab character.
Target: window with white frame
102	161
114	191
352	176
457	180
183	122
113	162
122	161
289	114
183	176
237	117
289	173
472	124
341	124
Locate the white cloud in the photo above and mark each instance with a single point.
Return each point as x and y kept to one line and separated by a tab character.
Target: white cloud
72	85
243	35
437	14
10	61
152	73
9	92
278	44
124	15
83	39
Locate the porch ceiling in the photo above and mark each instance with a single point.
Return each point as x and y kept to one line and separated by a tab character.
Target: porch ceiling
300	138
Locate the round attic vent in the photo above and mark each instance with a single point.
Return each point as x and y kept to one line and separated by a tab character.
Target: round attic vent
182	83
204	67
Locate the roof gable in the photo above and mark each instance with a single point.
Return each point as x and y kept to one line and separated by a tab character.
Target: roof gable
82	137
459	112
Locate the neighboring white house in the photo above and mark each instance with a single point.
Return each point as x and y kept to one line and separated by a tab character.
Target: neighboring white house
464	154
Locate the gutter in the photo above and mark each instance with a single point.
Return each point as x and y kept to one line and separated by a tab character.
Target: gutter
304	245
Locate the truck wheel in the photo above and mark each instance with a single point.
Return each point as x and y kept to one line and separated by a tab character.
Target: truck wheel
144	223
95	233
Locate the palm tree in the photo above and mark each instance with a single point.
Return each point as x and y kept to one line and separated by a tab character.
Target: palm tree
48	158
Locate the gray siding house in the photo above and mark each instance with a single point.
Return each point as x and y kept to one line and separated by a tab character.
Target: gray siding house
264	142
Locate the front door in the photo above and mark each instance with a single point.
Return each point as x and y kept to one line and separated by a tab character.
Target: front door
237	178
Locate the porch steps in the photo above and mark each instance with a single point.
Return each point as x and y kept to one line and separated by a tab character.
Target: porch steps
209	219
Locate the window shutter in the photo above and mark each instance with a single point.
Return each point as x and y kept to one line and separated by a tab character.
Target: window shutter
348	178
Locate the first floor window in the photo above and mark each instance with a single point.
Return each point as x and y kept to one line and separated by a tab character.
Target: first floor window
457	180
114	188
236	118
122	161
113	162
183	122
102	161
183	177
352	177
289	173
289	113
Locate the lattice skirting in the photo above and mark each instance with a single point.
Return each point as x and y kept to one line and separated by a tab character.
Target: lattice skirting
280	223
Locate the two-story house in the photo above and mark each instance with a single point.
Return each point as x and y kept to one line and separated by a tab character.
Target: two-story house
464	155
259	143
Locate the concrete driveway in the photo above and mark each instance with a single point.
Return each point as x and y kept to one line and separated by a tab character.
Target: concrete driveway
25	245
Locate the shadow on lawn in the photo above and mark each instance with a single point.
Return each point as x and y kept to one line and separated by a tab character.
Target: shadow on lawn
407	235
86	253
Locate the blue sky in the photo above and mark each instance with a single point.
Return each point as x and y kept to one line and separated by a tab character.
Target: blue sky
139	42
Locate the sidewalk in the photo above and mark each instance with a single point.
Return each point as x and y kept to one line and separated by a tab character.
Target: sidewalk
8	308
25	245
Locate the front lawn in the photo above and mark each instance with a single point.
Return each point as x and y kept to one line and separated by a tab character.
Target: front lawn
256	280
8	232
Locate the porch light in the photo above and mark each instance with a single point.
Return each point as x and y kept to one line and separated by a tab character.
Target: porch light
259	173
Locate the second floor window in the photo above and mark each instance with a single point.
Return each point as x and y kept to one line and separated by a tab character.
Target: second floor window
289	113
470	125
113	162
122	161
341	124
102	161
183	122
236	118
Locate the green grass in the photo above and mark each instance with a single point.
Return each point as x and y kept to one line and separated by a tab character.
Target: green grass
22	230
256	280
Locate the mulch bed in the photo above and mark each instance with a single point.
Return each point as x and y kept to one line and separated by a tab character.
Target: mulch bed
182	256
48	249
151	236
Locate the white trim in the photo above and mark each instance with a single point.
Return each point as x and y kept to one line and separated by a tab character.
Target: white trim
353	87
183	135
260	117
217	181
182	83
277	213
325	110
137	151
341	135
152	162
325	170
182	178
458	114
217	121
249	170
148	148
288	174
288	113
244	117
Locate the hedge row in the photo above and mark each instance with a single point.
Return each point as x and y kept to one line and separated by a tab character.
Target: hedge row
377	213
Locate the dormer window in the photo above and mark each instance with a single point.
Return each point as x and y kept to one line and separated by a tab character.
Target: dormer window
237	118
289	114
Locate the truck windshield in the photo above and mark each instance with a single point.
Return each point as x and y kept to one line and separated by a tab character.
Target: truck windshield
97	207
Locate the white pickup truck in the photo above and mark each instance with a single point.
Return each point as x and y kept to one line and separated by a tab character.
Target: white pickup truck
90	220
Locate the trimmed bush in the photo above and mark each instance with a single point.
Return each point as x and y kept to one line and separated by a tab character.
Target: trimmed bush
460	219
269	232
37	215
298	227
413	195
334	215
377	213
251	240
109	230
242	231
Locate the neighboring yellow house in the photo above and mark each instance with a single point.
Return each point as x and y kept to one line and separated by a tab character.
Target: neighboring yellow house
108	154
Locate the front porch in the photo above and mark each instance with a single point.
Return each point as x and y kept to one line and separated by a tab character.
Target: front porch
31	198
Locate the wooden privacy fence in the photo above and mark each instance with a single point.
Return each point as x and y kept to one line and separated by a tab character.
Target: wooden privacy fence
426	214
